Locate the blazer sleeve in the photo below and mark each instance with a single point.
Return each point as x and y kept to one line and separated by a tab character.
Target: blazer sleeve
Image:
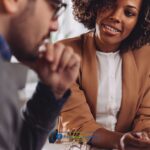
76	114
142	120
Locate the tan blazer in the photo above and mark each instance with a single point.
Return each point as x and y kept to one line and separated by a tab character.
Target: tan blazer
79	111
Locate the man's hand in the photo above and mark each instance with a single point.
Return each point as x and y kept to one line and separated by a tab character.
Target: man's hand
135	141
57	67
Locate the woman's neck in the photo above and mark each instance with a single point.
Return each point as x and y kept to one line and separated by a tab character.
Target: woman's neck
104	47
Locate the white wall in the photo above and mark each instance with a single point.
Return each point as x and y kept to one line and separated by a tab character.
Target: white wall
68	26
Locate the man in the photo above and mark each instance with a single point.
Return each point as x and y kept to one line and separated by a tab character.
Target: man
24	24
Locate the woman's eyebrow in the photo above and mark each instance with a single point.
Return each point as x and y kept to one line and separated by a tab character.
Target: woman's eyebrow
131	6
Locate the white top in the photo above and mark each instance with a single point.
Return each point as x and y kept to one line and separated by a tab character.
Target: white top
109	89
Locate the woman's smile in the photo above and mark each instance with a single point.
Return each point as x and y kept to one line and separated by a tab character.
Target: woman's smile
108	29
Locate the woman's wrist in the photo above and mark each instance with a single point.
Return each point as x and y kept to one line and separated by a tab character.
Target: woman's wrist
106	139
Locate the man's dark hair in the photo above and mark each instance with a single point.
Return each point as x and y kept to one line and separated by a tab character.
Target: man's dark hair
85	11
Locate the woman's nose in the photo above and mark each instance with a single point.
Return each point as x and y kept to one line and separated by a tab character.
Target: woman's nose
115	16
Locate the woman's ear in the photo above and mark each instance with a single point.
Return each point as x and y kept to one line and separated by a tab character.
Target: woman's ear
11	6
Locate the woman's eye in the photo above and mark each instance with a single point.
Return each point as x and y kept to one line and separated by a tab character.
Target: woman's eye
129	13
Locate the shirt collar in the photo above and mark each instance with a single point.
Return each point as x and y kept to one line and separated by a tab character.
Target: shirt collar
4	49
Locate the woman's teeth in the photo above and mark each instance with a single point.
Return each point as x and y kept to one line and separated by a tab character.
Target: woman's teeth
110	28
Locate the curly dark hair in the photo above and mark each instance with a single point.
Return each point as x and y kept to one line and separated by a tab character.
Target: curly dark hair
85	12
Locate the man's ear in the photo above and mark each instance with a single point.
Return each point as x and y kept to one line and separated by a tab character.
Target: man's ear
11	6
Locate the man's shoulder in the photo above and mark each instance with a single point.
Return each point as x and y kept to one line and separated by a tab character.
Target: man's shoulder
8	88
9	113
13	74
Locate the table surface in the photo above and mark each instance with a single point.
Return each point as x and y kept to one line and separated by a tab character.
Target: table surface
67	146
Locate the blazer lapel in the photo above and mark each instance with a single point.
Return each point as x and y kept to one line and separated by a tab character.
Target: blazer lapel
130	89
89	72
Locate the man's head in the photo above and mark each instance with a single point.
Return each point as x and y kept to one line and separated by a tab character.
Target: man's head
27	23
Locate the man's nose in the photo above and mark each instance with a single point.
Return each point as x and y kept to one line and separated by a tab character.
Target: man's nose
54	25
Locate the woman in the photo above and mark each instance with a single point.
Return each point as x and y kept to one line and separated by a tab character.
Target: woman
111	100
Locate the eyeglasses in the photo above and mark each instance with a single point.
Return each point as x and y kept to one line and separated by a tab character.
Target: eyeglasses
60	7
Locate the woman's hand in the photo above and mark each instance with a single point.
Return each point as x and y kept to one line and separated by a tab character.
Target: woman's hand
135	141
